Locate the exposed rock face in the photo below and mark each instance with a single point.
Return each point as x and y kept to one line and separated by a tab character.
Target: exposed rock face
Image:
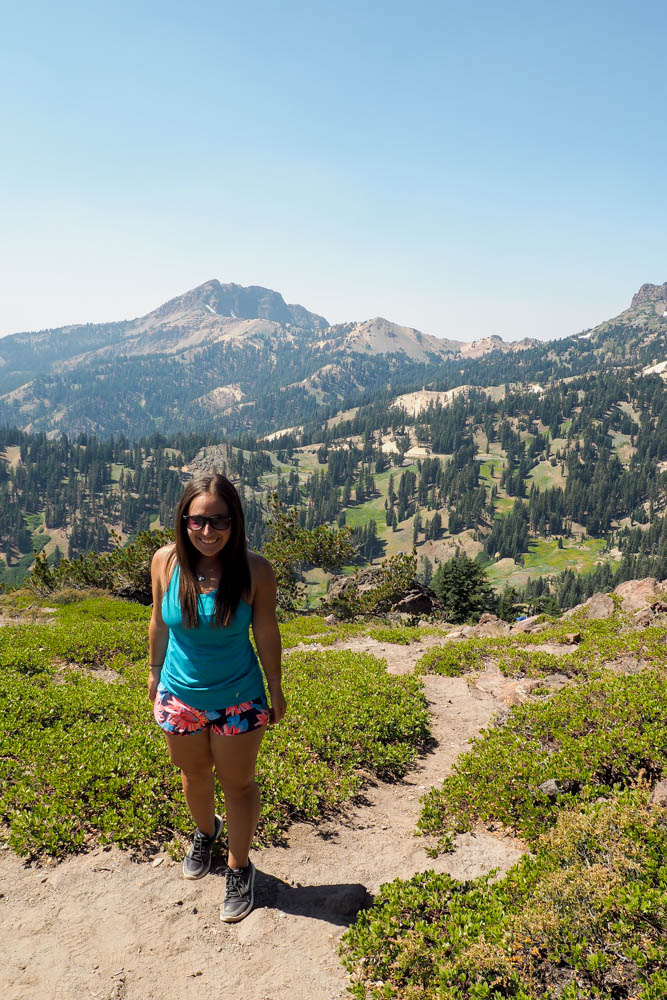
649	293
416	600
527	624
636	594
659	794
598	606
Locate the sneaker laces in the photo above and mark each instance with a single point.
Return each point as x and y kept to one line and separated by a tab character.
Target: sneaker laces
199	846
235	883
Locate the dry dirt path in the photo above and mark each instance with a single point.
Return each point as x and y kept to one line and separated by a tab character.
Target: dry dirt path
102	927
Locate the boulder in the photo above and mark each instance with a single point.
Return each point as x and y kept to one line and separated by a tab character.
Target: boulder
416	600
419	600
496	627
659	794
134	592
600	606
597	606
636	594
551	788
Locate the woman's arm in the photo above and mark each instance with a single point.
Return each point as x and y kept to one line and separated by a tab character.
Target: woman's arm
266	632
158	633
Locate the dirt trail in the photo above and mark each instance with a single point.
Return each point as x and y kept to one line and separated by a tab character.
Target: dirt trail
102	927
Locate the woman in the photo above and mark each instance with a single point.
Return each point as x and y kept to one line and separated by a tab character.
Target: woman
204	678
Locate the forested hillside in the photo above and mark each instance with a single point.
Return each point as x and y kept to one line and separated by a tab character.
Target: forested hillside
535	482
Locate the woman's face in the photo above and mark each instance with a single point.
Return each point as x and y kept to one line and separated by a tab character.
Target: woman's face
208	541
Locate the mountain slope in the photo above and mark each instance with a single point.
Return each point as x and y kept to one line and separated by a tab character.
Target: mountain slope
244	359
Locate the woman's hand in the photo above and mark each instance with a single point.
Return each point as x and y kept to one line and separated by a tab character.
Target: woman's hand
278	704
153	681
267	634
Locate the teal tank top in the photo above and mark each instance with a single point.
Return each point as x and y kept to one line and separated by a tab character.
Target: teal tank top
209	667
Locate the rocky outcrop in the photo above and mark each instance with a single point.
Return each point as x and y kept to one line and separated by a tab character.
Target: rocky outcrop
643	597
417	599
636	594
649	293
597	606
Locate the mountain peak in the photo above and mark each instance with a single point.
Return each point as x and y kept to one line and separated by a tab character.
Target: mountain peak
649	293
240	302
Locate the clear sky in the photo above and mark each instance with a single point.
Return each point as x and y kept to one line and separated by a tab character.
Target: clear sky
464	168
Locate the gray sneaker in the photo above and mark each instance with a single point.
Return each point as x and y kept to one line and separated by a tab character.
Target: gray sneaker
197	862
239	897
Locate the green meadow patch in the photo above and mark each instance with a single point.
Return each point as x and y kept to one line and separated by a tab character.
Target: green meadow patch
545	558
81	759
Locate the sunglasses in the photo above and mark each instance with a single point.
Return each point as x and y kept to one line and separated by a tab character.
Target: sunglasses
219	522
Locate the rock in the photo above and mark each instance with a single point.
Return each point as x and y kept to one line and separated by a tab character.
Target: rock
600	606
511	693
496	627
417	599
331	619
134	592
551	788
636	594
597	606
643	617
460	632
659	794
488	617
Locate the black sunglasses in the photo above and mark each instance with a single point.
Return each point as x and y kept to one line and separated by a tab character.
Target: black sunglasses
219	522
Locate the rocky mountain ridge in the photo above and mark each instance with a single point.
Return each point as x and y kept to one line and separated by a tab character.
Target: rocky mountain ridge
246	359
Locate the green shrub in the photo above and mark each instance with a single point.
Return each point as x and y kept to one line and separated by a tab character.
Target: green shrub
592	739
453	659
395	575
584	918
125	568
82	760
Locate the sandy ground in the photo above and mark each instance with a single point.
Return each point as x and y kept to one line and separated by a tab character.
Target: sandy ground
100	926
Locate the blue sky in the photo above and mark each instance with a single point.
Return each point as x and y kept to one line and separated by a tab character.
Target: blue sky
466	169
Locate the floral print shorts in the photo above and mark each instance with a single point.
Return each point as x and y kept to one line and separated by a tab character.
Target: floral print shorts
174	716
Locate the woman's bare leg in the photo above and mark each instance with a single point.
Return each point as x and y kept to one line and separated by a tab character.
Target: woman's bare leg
235	758
192	753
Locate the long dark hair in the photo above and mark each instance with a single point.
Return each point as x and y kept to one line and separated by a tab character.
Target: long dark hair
235	578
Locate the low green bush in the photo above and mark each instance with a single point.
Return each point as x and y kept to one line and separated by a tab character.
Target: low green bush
453	659
599	642
82	760
591	738
584	918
